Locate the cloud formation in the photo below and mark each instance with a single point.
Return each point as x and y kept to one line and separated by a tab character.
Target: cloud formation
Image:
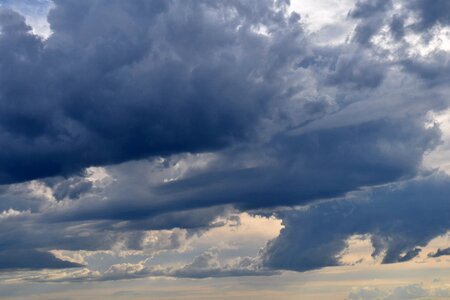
200	109
399	220
120	81
32	259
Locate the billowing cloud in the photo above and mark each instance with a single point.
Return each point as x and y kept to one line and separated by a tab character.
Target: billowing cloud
132	119
371	13
429	13
120	81
399	220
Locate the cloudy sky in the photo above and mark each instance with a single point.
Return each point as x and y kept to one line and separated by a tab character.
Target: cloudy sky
225	149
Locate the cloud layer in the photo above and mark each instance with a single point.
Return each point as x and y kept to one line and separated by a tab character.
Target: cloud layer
145	116
119	81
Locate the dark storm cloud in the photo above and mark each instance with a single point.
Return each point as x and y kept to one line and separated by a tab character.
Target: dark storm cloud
39	231
311	166
440	252
399	220
293	169
367	8
370	14
346	66
286	122
355	69
32	259
434	69
290	169
424	16
397	27
124	80
430	13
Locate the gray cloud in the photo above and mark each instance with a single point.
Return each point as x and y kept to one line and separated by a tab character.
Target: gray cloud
302	161
433	69
430	13
399	219
440	252
120	81
142	87
205	265
32	259
371	14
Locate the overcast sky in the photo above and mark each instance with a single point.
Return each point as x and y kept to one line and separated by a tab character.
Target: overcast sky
225	149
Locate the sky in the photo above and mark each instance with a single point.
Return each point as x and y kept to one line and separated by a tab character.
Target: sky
226	149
